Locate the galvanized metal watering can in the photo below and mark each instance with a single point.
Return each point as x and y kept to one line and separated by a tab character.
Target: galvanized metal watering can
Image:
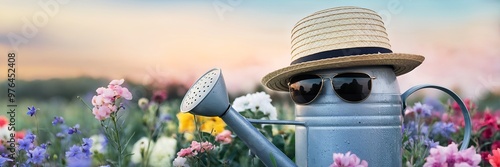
371	129
342	79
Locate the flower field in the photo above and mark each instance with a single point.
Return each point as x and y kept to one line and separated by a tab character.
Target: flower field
114	127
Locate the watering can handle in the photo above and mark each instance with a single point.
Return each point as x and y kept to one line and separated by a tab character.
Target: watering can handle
455	97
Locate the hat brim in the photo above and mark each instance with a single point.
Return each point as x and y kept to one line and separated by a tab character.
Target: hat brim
402	63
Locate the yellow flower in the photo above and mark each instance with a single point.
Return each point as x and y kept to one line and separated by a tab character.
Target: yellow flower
186	122
214	125
188	136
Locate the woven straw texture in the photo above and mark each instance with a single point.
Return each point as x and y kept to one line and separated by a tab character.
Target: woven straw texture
339	28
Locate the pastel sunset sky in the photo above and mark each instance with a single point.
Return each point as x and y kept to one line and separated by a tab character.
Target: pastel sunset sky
180	40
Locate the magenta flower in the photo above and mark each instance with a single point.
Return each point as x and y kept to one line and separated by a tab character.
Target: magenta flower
159	96
450	156
347	160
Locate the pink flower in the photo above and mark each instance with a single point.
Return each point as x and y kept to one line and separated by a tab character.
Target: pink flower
104	101
207	146
118	90
185	152
201	147
347	160
101	113
126	94
117	82
469	157
450	156
100	90
195	146
97	100
224	137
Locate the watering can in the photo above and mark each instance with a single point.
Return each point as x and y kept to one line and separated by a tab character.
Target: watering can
342	79
374	136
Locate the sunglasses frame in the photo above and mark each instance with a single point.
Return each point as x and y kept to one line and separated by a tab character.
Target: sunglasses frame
331	82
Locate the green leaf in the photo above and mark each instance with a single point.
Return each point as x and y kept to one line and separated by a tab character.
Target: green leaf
268	130
128	141
279	142
273	160
290	146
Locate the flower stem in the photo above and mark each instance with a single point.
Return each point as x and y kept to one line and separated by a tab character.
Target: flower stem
117	138
88	106
150	135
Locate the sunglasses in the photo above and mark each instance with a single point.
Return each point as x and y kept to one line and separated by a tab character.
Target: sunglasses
350	87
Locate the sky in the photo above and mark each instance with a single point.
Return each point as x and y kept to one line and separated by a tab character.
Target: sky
177	41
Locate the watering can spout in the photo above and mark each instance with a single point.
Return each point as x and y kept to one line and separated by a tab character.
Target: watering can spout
208	97
269	154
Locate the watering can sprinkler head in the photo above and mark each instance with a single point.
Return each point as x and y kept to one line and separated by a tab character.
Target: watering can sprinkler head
208	96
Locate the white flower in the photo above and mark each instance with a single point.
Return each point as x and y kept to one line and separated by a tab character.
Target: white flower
143	102
180	162
259	101
268	108
98	144
5	133
163	152
139	149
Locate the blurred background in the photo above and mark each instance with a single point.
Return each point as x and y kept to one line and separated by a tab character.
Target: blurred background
69	48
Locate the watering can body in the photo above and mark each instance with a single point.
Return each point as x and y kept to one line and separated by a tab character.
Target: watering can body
370	129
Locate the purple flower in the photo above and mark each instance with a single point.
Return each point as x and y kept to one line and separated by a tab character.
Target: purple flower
80	152
30	136
422	109
25	144
430	143
75	152
83	162
410	128
3	160
60	135
87	144
36	155
58	120
165	117
31	111
444	129
435	103
45	145
74	129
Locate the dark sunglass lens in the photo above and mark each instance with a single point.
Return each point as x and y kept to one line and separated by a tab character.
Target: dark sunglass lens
304	88
352	87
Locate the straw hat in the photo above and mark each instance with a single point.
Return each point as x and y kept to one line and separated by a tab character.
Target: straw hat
337	38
